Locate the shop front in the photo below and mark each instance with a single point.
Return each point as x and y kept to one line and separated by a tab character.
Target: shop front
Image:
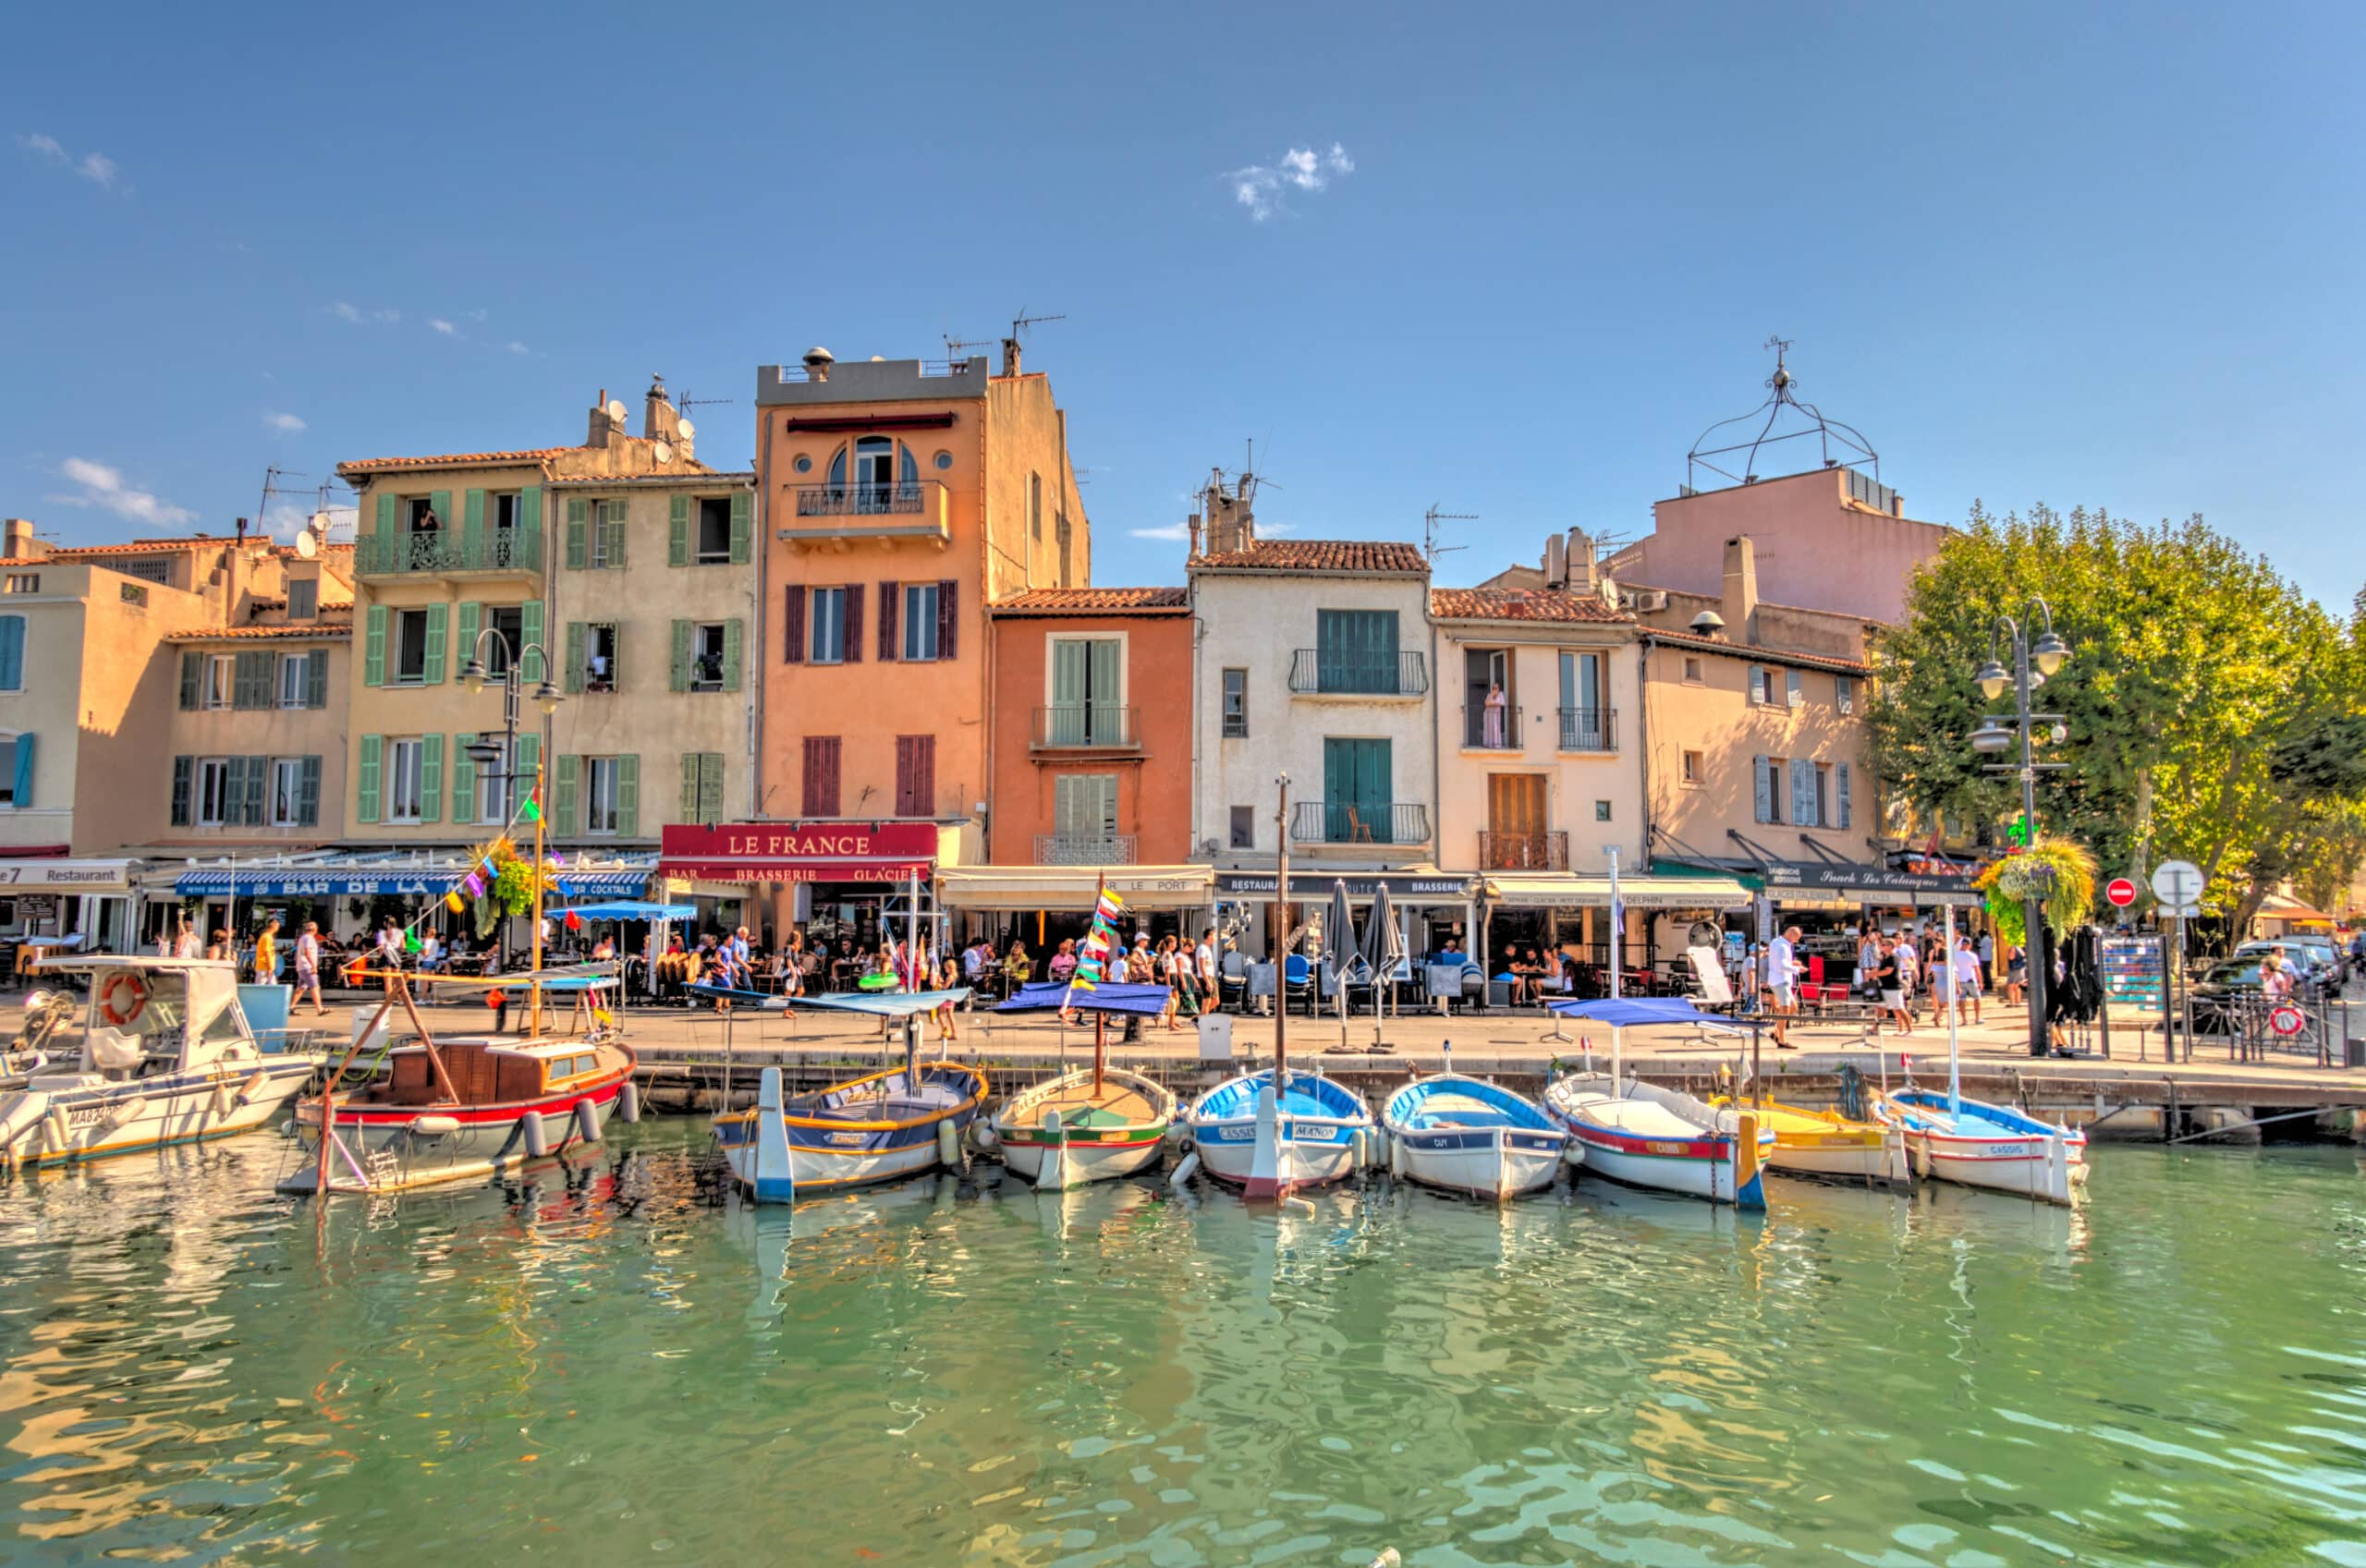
1835	902
350	894
1569	914
1045	906
1434	906
86	903
846	885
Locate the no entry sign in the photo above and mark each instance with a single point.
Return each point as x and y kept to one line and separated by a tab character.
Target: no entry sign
2287	1020
2120	891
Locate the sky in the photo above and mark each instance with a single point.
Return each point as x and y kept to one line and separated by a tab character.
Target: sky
1510	262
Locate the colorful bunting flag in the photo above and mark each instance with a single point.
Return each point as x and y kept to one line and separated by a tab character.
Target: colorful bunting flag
532	810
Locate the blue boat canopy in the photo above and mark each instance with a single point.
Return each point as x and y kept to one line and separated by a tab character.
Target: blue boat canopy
1051	996
631	909
1627	1012
885	1004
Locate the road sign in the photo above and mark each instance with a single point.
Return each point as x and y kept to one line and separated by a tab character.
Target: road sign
2121	892
2179	911
2178	883
2287	1020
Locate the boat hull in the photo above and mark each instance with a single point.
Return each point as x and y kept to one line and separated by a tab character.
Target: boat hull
1697	1161
1305	1151
1992	1147
104	1119
1832	1147
1496	1164
1077	1154
396	1149
778	1155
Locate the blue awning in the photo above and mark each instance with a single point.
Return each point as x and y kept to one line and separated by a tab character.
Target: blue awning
1052	996
886	1003
629	909
1629	1011
330	881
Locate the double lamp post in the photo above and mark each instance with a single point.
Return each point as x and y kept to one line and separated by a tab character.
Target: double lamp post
501	762
2031	664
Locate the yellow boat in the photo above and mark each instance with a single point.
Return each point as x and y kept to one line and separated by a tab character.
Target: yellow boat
1825	1143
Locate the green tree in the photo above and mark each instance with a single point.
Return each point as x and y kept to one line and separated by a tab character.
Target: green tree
2207	702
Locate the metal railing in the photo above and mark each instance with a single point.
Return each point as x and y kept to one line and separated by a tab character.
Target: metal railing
1355	821
1489	729
448	550
2248	1025
1523	852
1066	725
1332	672
1588	729
858	500
1098	849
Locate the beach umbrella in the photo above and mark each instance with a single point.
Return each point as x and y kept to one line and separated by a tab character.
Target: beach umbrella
1384	946
1340	941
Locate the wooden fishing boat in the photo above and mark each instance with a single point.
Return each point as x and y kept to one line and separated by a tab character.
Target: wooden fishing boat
165	1057
878	1128
1467	1136
1098	1123
1981	1145
1662	1139
1313	1132
1827	1144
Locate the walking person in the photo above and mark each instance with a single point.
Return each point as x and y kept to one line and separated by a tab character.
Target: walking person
1888	977
1970	979
1783	968
308	968
1909	978
2017	973
267	953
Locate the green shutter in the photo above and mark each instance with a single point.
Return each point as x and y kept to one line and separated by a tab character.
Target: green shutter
439	631
192	675
566	768
529	754
612	536
464	780
628	796
182	768
307	794
442	501
689	812
711	788
431	778
678	532
679	679
365	779
385	515
732	636
472	527
529	631
471	620
742	525
579	514
234	790
258	780
529	506
316	678
374	654
575	631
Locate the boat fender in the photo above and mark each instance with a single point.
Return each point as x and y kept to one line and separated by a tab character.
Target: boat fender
57	1129
220	1104
628	1102
1292	1201
949	1144
434	1127
1185	1171
253	1085
1397	1158
1921	1147
123	1111
586	1121
538	1137
982	1136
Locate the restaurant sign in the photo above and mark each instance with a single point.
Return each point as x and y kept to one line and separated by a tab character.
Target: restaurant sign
1870	885
1429	889
65	874
787	852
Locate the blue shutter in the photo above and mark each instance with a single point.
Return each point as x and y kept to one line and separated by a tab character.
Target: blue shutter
12	653
1803	793
24	795
1791	687
1762	785
1842	774
1758	687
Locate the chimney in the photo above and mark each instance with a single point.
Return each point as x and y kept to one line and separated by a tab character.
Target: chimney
1192	523
818	361
22	544
1740	601
1556	562
1584	572
1897	504
1010	356
599	427
1230	525
658	420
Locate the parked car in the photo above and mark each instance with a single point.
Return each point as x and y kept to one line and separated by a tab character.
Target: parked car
2224	992
2313	958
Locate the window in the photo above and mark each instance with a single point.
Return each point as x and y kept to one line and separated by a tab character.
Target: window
920	621
418	514
1692	668
600	672
1088	693
303	598
821	775
15	765
1766	788
509	622
1806	792
1035	507
916	775
501	509
828	625
287	791
133	593
600	795
492	779
1761	683
1602	810
213	802
24	582
706	656
294	671
714	531
12	653
410	647
1084	821
1843	693
1791	696
1355	650
1692	767
1235	706
1585	722
221	680
607	533
1244	827
405	782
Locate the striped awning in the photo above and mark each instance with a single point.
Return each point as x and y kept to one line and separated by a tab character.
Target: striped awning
1572	890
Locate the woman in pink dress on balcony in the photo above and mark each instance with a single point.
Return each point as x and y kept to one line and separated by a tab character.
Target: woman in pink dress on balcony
1491	726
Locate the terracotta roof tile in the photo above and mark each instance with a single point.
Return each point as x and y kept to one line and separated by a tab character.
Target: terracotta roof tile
1319	555
450	460
1086	600
1520	604
137	547
317	629
1762	655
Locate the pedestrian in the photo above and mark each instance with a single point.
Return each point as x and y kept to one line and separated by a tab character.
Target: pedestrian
1162	969
1909	976
2017	973
1890	979
1869	958
738	953
1211	983
1987	958
1497	705
1969	979
185	944
267	953
1783	968
219	948
948	978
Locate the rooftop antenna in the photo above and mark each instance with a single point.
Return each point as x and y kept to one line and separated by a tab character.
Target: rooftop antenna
1430	521
954	346
1809	419
1023	320
1019	325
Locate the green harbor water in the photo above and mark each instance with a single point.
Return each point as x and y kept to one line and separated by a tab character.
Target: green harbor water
619	1365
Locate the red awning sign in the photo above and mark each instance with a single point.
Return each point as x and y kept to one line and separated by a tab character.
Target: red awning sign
815	852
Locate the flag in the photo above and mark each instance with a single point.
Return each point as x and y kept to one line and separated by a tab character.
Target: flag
474	883
532	810
452	901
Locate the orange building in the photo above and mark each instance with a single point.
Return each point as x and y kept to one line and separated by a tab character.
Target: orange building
900	498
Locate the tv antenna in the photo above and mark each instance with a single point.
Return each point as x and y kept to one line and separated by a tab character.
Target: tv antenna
1808	420
1430	521
1023	320
954	347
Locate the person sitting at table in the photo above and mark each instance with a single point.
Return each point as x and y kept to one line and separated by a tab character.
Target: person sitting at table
1018	967
605	949
1062	967
1451	953
1523	969
846	965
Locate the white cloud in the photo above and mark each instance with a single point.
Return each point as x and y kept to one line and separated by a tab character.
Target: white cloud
476	315
517	347
1261	186
284	424
345	312
103	487
1172	530
46	145
96	167
444	327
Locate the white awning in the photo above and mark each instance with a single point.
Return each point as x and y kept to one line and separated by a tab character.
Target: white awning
1572	890
1074	887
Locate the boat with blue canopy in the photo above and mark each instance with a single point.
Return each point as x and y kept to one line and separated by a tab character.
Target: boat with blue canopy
1098	1123
1467	1136
1315	1131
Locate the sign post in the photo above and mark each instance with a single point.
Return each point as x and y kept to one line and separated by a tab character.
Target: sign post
2178	884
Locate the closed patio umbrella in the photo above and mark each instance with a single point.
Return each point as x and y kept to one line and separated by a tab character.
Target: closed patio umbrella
1383	946
1339	942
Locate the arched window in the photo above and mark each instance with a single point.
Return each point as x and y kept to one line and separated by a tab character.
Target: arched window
839	474
886	475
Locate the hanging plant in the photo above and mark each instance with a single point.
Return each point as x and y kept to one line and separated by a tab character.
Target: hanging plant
2060	871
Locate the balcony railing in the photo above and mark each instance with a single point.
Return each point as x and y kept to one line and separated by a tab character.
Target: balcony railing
857	500
1588	729
1523	852
1330	672
1489	729
448	550
1352	821
1085	725
1069	849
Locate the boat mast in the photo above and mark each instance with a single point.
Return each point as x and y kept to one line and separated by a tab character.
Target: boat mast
1617	1035
1947	957
534	1006
1282	938
1100	1019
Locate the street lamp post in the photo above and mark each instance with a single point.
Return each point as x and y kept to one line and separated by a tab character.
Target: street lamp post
546	698
1994	735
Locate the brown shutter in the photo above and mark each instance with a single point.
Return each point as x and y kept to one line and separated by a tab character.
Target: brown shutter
904	747
792	626
890	603
821	775
854	623
948	618
916	775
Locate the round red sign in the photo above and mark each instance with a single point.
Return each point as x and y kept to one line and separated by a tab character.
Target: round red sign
2121	892
2287	1020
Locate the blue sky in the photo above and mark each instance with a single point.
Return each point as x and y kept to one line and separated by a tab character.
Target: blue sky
2033	252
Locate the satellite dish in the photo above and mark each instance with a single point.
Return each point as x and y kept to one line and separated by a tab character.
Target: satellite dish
664	453
689	431
617	410
306	545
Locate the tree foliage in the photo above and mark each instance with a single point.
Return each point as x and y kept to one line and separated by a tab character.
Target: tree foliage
2213	712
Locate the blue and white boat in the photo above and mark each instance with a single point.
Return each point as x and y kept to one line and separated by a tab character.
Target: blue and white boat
1650	1136
1469	1136
1314	1132
1981	1145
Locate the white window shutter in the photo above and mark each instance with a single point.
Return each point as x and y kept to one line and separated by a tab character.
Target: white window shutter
1762	781
1791	689
1842	774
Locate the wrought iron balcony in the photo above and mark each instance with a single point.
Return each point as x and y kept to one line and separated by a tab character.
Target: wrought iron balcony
448	550
1588	729
1086	727
1331	672
1096	849
857	500
1523	852
1349	821
1489	729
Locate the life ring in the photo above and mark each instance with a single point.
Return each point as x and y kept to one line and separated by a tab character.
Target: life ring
123	996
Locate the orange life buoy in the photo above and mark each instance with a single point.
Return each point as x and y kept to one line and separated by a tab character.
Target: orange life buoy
123	996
